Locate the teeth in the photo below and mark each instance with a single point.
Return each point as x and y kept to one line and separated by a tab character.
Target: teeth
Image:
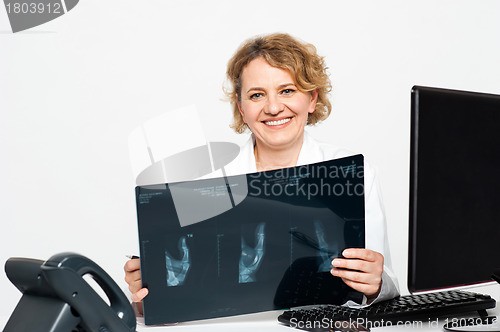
277	123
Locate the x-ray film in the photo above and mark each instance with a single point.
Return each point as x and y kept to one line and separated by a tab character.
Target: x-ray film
249	243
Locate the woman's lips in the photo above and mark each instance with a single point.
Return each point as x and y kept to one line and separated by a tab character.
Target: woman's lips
278	123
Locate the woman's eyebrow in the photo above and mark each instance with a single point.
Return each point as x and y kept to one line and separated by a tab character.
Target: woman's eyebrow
281	86
284	85
255	89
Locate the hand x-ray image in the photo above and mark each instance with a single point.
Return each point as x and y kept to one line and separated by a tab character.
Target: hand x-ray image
273	250
327	251
251	257
177	269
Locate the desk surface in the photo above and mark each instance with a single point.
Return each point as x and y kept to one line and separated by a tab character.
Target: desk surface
262	322
267	321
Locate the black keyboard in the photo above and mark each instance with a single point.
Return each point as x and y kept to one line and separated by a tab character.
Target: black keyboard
403	309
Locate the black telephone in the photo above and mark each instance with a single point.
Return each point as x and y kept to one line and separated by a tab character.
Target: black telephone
56	298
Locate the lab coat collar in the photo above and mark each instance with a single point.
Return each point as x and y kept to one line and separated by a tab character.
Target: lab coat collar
310	152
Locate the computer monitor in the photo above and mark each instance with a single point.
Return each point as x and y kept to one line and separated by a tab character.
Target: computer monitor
454	221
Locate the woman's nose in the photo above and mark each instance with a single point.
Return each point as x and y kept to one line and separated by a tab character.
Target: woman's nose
273	106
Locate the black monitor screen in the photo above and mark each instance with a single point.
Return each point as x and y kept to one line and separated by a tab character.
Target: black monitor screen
454	237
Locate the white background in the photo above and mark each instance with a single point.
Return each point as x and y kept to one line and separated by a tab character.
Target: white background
72	90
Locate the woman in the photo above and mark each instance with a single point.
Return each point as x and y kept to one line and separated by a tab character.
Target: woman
280	85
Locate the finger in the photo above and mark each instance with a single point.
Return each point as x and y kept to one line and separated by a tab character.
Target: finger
353	264
359	265
139	295
134	287
367	289
364	254
132	265
132	276
358	277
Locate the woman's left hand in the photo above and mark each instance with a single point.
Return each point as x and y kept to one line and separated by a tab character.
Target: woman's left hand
363	272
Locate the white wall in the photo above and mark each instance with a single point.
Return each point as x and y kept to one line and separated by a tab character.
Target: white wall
73	89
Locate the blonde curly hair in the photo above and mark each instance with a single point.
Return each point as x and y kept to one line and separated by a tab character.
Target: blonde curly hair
282	51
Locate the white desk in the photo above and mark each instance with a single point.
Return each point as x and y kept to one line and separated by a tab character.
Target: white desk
267	321
261	322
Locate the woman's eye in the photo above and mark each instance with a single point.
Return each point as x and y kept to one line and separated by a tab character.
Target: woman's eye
287	91
256	96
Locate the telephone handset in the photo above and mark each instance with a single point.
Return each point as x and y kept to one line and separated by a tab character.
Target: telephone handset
56	298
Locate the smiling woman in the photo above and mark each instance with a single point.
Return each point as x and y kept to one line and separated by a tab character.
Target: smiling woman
275	110
306	68
278	86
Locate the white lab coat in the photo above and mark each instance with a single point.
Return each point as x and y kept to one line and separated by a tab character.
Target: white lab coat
313	151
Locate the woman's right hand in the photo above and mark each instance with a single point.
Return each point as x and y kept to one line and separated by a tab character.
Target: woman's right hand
133	278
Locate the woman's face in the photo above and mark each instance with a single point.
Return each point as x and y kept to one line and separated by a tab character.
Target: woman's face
272	106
